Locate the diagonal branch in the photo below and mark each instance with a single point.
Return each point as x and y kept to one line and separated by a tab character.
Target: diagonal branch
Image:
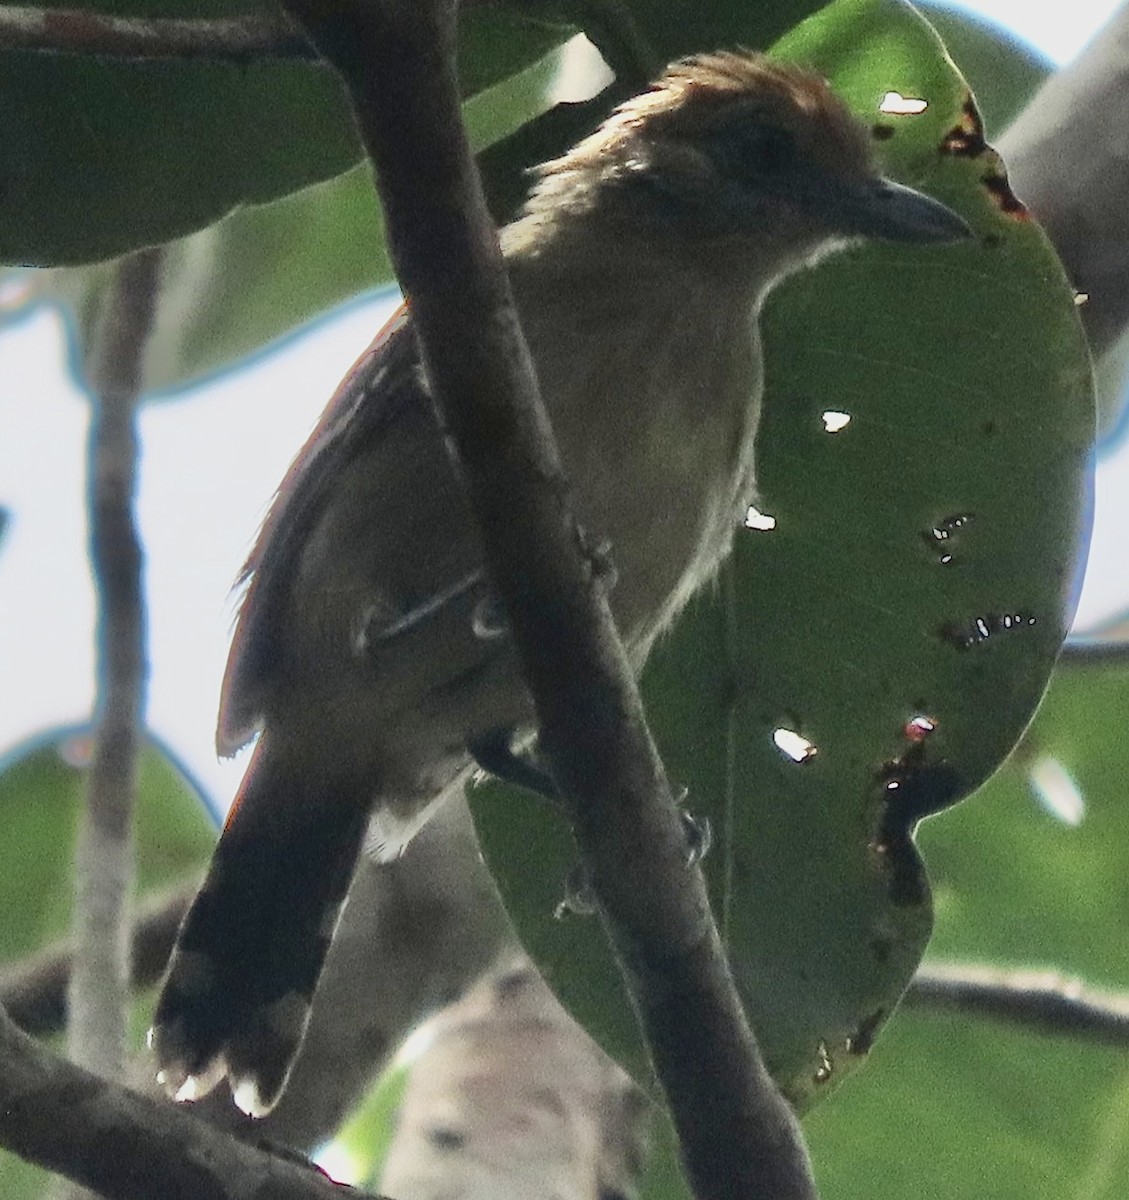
738	1136
126	1146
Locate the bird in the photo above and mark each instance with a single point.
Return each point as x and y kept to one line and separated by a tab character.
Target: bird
371	658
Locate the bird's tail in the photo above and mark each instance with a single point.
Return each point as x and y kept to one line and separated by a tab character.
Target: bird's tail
236	999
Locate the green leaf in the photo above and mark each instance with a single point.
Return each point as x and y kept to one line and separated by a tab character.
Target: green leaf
1003	71
958	1105
103	157
366	1137
41	790
264	269
920	567
1015	884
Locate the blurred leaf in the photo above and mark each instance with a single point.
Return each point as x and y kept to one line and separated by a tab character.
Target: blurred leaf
1113	386
920	566
103	157
952	1108
1018	884
955	1106
41	789
367	1136
264	269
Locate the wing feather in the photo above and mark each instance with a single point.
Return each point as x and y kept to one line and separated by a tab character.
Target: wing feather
383	382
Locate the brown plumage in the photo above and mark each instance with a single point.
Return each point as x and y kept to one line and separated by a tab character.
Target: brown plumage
369	654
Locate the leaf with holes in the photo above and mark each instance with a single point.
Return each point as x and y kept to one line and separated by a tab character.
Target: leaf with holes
888	620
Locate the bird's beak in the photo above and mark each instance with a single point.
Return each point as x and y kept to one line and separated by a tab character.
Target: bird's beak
881	208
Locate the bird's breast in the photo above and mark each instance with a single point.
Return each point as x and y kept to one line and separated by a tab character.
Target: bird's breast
657	426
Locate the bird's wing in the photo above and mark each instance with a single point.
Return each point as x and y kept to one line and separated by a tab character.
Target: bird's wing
383	383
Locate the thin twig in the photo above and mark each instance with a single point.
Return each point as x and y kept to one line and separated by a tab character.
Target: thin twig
1093	652
738	1136
104	868
129	1147
89	34
1047	1001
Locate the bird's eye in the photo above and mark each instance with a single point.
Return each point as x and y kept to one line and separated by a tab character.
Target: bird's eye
753	149
771	147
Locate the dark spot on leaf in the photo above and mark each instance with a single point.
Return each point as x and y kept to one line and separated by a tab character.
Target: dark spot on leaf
862	1039
991	240
913	787
1006	200
881	132
964	635
988	428
966	138
906	885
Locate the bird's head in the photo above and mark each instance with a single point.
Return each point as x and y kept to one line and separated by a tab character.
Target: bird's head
731	149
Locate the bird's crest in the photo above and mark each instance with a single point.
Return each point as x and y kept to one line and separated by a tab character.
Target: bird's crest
697	92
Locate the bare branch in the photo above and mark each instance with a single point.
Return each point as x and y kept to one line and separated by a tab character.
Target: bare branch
1096	652
1045	1000
739	1138
104	867
128	1147
89	34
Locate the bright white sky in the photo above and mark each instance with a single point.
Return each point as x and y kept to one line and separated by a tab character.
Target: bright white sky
202	497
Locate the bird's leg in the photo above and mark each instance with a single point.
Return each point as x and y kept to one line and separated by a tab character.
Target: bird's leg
495	754
489	620
580	897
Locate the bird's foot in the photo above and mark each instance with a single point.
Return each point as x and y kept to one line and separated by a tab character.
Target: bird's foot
495	754
579	898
